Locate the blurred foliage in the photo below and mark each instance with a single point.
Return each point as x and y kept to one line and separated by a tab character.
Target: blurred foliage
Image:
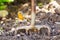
6	1
18	2
2	2
3	7
43	1
40	5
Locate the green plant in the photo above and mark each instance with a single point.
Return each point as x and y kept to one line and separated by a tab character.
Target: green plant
2	4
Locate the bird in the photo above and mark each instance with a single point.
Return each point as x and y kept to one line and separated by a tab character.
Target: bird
20	15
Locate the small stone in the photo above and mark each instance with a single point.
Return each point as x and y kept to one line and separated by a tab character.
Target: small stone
16	18
12	29
3	18
18	35
1	22
9	18
57	22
